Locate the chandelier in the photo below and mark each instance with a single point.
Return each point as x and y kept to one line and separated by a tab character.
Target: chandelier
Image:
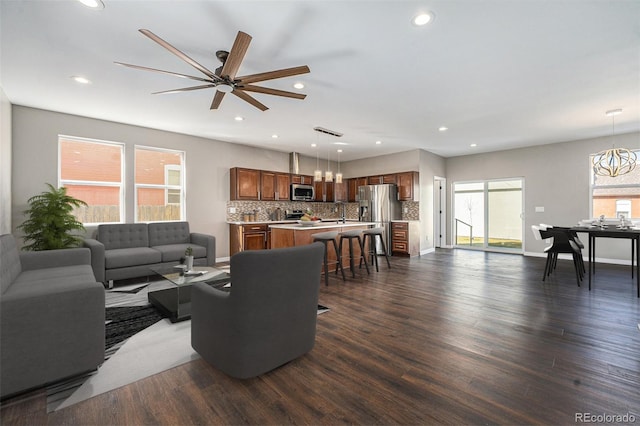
615	161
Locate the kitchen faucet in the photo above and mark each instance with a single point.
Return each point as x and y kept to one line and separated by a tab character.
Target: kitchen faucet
343	214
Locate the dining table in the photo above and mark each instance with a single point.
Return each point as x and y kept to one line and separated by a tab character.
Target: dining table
612	231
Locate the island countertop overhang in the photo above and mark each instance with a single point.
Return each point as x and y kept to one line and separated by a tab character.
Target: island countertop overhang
322	225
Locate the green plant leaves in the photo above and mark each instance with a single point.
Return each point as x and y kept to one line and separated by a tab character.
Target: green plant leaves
50	221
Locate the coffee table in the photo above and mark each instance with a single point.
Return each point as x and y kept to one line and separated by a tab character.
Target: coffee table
175	302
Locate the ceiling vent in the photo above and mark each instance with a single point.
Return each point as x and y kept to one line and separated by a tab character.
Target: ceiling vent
327	131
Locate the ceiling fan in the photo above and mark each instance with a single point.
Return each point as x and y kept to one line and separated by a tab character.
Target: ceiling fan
224	78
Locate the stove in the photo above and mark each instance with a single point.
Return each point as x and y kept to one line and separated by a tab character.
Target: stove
293	214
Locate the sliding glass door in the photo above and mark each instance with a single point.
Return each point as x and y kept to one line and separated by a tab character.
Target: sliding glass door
488	215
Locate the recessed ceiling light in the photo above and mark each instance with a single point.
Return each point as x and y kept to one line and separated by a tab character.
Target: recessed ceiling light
443	129
313	145
299	85
422	18
274	136
473	145
378	142
339	150
238	118
93	4
81	80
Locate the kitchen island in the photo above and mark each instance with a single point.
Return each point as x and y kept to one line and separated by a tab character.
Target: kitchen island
290	235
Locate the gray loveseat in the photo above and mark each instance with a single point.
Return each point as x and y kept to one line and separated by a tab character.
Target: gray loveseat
128	250
52	314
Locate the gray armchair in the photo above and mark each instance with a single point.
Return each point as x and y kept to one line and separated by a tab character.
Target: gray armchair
269	316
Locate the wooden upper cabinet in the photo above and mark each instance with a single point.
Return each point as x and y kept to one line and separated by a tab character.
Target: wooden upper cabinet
341	191
382	179
255	185
302	179
245	184
274	186
354	184
323	191
408	186
267	186
283	186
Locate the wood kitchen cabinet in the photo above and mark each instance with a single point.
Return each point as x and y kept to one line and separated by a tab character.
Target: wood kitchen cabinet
247	237
405	238
353	185
245	184
324	191
382	179
408	186
274	186
341	191
302	179
255	185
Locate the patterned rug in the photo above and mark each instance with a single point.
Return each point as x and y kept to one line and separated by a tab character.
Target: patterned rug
128	313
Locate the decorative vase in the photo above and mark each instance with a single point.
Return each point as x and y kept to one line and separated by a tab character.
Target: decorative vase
188	261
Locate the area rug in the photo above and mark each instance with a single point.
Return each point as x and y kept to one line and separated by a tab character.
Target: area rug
140	343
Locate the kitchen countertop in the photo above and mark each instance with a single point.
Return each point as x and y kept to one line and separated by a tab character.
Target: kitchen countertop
261	222
322	225
285	221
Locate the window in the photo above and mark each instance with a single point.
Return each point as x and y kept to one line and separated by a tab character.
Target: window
616	196
93	171
159	182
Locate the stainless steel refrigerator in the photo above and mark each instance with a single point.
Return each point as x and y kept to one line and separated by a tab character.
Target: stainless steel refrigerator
379	204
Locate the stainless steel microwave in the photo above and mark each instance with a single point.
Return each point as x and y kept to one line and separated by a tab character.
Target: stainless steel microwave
302	192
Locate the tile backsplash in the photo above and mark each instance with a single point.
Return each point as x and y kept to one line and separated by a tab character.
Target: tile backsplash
263	209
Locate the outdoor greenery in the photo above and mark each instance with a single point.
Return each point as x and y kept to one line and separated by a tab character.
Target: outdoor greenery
50	221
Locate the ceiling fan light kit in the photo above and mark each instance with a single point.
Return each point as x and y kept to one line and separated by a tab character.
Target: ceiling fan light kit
224	79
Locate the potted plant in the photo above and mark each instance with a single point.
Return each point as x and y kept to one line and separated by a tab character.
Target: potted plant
50	221
188	258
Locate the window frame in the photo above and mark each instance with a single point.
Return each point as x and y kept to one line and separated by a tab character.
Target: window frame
593	187
121	185
165	186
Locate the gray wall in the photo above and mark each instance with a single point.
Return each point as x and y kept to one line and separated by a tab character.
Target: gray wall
556	177
35	145
5	163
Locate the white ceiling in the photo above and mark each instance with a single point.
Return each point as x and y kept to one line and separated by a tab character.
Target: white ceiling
500	74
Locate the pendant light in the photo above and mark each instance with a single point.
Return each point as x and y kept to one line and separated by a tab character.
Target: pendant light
339	175
328	174
317	173
615	161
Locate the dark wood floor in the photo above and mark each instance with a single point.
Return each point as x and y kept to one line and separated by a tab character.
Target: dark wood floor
452	337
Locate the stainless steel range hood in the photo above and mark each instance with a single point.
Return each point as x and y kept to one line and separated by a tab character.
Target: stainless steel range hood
294	163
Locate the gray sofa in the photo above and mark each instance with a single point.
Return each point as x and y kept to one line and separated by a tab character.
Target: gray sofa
269	316
128	250
52	314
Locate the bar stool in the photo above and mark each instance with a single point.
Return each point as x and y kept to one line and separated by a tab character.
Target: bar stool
350	236
372	234
325	238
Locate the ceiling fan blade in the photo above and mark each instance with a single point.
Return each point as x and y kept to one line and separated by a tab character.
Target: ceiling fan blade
239	93
179	54
270	75
185	89
270	91
236	55
138	67
217	99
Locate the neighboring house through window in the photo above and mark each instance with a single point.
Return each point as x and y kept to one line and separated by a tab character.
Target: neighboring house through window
93	171
159	184
616	196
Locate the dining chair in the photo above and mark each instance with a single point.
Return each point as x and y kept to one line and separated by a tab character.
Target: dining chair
561	243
